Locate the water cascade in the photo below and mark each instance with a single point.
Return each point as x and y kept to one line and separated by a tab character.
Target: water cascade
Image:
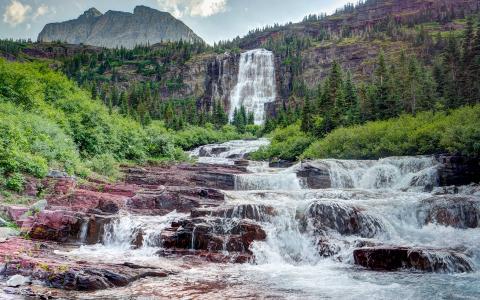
256	84
318	235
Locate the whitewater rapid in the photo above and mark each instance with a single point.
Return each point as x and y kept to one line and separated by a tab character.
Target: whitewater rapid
390	194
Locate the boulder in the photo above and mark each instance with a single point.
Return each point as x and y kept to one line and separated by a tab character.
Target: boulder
18	280
451	210
16	213
56	225
387	258
314	175
322	216
213	235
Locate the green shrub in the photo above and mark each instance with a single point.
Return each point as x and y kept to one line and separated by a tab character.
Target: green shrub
286	143
104	164
454	132
15	182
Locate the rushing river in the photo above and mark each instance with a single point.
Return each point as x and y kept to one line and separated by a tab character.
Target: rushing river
288	264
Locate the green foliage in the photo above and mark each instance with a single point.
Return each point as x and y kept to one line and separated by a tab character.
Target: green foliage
286	143
105	165
15	182
426	133
195	136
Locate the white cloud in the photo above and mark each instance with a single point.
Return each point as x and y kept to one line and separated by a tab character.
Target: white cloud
16	13
200	8
41	10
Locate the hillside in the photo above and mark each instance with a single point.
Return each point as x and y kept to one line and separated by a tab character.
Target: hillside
119	29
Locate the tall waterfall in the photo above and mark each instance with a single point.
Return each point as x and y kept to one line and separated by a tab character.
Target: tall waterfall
256	84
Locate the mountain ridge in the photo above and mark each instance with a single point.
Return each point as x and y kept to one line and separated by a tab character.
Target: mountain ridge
119	29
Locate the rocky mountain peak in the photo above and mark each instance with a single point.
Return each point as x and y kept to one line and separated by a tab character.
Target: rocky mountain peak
91	13
119	29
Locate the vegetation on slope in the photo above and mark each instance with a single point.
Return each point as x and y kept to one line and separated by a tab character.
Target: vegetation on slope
47	122
455	132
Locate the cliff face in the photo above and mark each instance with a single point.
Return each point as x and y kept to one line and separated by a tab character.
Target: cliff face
116	29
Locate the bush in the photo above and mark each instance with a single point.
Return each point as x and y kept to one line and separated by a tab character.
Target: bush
104	164
15	182
286	143
454	132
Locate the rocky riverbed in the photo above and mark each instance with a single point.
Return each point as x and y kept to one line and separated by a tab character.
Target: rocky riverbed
244	229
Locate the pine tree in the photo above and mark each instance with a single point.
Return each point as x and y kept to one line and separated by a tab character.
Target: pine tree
307	116
385	105
466	79
352	113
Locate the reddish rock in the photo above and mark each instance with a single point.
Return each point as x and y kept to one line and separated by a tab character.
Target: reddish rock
428	260
85	201
213	235
451	210
60	186
181	199
55	226
15	213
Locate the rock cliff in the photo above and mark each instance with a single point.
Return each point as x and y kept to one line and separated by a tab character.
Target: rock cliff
119	29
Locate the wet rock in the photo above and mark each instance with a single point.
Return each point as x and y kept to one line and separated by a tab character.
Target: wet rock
245	211
394	258
209	151
216	257
242	163
450	210
346	220
458	170
181	199
96	228
281	164
314	175
18	280
213	235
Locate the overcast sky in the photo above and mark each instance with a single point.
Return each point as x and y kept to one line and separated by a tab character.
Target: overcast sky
213	20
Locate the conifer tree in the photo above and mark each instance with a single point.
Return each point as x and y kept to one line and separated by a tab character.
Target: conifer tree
307	116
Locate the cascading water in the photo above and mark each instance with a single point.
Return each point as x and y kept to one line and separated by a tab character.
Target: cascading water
256	84
312	233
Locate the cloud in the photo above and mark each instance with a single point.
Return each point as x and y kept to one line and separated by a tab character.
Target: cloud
16	13
41	10
195	8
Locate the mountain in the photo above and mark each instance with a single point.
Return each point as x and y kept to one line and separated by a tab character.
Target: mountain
115	29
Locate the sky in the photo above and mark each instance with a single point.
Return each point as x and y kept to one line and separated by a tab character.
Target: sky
213	20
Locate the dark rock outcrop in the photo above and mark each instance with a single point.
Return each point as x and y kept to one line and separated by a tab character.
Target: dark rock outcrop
458	170
119	29
428	260
213	235
314	176
346	220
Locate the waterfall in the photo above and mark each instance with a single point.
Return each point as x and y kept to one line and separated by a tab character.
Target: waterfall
256	84
313	234
398	173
